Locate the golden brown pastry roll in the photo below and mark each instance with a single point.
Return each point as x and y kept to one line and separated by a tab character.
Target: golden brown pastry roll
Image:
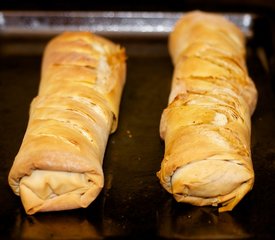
59	164
206	125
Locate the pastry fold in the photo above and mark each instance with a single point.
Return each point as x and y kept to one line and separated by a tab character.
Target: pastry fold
206	126
59	163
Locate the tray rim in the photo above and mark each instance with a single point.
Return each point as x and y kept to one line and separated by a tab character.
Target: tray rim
108	23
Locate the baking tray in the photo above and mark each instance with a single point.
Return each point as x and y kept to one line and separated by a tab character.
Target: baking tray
132	203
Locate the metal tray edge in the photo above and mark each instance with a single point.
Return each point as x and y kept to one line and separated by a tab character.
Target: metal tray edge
109	23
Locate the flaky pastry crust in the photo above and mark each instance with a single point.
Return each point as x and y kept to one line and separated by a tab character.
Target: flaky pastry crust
59	164
206	125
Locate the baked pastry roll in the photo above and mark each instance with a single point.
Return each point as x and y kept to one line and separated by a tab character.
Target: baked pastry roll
206	125
59	164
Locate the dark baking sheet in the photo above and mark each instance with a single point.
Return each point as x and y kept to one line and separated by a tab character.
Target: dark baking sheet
132	203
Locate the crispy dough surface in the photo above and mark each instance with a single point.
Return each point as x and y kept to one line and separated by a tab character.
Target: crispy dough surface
206	125
59	164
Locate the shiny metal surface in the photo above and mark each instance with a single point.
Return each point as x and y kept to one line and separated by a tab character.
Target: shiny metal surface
106	23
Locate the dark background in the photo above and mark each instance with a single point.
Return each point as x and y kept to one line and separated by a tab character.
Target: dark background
150	5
